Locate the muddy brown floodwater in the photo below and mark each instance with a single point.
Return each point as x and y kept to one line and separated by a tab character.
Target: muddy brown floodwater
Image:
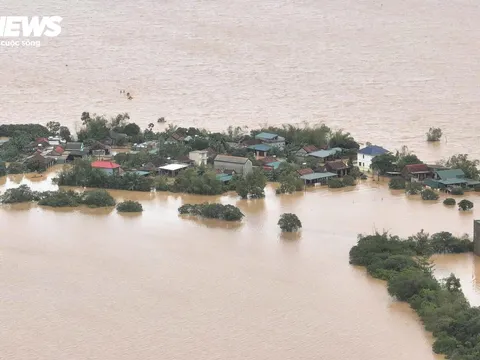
93	284
86	284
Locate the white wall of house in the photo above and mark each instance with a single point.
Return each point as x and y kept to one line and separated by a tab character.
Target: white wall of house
199	157
364	162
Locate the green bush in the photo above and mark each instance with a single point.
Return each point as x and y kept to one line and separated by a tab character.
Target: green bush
129	206
465	205
396	183
3	169
161	183
441	305
429	194
456	190
413	188
98	198
212	211
60	199
449	201
348	180
18	195
16	168
289	222
335	183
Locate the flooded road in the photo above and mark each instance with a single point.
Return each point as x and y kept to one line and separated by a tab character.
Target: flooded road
99	285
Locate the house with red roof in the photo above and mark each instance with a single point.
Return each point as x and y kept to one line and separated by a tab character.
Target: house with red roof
416	172
307	149
108	167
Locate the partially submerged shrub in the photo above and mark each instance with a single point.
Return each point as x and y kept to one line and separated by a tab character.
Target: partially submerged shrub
129	206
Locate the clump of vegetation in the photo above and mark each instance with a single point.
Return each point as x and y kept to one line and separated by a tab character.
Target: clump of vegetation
434	134
289	184
252	185
413	188
457	190
441	306
98	198
3	169
129	206
465	205
161	183
462	162
212	211
18	195
429	194
82	174
449	201
289	222
397	183
16	168
348	180
335	183
61	198
191	181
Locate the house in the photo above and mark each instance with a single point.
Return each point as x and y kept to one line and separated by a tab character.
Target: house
98	149
271	139
240	165
325	155
366	155
416	172
55	140
272	165
74	146
317	178
260	150
57	151
225	178
304	151
446	179
338	167
199	157
40	160
305	171
108	167
175	139
172	169
74	154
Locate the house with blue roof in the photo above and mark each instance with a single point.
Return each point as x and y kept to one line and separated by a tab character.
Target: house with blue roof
366	155
271	139
260	150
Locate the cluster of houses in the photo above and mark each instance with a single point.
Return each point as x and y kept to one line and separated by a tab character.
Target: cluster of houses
53	150
328	161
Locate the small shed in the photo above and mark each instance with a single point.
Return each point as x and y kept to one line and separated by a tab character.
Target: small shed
172	169
261	150
317	178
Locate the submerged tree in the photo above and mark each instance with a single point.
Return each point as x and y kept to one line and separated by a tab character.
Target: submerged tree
465	205
289	222
434	134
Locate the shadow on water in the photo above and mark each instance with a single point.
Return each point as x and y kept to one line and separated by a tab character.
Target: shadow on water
18	207
291	237
129	215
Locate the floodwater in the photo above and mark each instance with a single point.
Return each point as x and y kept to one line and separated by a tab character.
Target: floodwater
384	70
93	284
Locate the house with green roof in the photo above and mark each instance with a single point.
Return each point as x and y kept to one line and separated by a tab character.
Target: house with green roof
271	139
446	179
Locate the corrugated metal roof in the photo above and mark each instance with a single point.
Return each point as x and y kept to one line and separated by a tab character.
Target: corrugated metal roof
224	177
325	153
373	150
449	174
452	181
315	176
260	147
274	164
266	136
231	159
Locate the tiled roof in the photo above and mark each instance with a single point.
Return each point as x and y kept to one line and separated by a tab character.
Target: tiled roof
304	171
310	148
105	165
336	165
412	168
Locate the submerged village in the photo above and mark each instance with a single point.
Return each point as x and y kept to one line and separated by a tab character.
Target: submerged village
116	154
